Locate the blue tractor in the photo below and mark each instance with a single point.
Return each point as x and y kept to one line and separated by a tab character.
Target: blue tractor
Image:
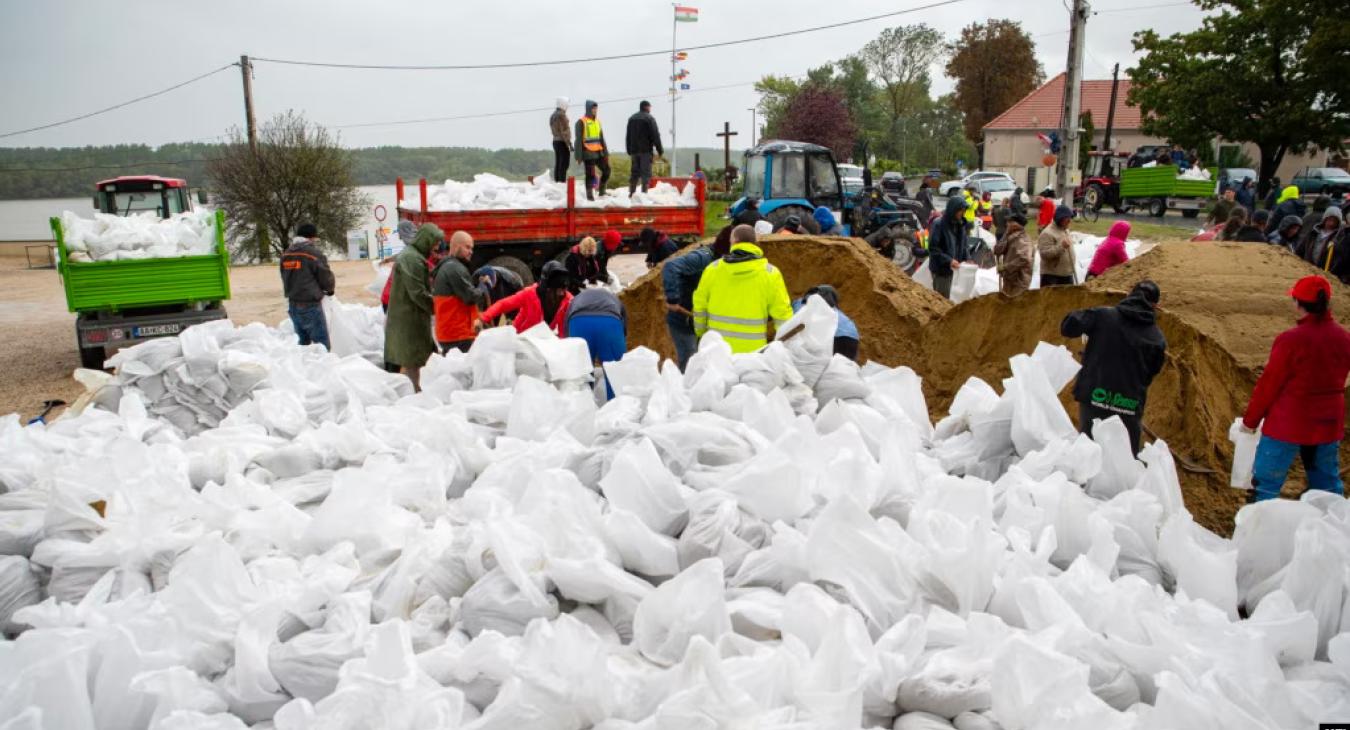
794	178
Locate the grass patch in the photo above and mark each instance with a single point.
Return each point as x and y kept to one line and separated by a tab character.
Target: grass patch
714	216
1140	229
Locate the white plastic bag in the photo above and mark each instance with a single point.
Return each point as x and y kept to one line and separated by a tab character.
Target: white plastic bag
963	283
638	482
1244	455
691	604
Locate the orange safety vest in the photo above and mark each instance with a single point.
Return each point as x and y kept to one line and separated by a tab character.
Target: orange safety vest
591	135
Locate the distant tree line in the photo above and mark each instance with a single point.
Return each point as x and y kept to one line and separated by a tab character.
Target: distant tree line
70	172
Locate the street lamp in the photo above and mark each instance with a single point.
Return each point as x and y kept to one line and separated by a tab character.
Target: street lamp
752	111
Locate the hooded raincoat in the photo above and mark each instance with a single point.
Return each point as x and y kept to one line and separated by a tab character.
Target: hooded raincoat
738	296
947	238
1017	256
407	329
1111	252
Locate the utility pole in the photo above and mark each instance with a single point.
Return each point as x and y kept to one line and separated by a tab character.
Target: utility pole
1073	91
726	134
674	90
1111	110
250	123
753	124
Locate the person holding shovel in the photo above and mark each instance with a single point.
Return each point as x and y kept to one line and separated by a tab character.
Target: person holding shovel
740	294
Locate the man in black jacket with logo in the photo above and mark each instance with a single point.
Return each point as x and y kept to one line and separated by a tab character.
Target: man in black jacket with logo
306	279
643	137
1125	351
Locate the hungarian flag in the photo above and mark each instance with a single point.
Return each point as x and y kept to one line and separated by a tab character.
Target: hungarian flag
681	56
686	14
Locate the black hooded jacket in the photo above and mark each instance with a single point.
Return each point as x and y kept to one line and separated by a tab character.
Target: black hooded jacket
1125	351
947	238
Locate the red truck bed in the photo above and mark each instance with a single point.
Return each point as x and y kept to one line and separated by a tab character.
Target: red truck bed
563	225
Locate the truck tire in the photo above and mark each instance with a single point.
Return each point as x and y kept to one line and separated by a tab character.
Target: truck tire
779	216
1190	213
516	266
1157	207
93	357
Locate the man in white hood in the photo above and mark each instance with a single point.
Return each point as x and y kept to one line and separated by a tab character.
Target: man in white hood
562	140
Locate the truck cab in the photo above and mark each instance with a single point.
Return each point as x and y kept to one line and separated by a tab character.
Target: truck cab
136	194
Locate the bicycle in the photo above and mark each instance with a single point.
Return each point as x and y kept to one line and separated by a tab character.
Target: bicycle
1084	211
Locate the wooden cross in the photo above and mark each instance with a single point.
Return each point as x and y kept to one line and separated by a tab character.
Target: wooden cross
726	134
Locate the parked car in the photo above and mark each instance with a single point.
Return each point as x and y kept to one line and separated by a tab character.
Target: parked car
999	189
948	187
851	178
1233	176
893	182
1331	181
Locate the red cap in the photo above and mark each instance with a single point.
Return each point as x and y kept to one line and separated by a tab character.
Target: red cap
612	240
1307	288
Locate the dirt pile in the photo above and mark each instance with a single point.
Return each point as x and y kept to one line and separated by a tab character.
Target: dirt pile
888	307
1222	306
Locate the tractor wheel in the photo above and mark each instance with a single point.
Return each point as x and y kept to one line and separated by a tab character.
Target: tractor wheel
1094	197
1157	207
779	216
516	266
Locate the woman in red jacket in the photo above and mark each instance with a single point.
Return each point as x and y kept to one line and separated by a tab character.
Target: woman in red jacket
1301	397
547	301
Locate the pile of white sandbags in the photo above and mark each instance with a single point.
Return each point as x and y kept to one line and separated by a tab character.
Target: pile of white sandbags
490	192
353	329
138	236
771	540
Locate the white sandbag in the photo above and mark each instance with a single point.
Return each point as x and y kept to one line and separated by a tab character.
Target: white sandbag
811	343
19	587
1038	417
1244	455
963	283
841	380
690	604
1203	564
638	482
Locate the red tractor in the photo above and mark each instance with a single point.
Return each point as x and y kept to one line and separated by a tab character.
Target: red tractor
1101	187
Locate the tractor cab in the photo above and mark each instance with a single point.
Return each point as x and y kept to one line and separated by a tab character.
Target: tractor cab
791	178
136	194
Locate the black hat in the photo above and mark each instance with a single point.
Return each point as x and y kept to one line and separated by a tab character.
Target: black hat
554	275
1148	290
307	230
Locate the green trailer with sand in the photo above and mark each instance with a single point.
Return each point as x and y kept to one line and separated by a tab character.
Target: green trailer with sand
119	303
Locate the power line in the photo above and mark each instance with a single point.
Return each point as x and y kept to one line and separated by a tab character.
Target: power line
535	110
118	106
592	59
1141	7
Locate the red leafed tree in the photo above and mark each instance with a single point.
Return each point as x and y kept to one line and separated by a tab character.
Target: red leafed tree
820	116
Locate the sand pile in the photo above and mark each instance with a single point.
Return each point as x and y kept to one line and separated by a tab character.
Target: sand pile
1222	306
888	307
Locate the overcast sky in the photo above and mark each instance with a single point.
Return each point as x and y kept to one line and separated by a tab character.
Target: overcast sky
67	57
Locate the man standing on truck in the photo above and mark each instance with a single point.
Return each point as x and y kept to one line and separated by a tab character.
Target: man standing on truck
591	150
306	280
643	136
455	298
562	140
407	329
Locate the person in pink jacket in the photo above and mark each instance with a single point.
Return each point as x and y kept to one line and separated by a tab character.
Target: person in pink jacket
1111	252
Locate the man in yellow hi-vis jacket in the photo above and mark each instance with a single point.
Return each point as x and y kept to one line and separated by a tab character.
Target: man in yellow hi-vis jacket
740	294
591	150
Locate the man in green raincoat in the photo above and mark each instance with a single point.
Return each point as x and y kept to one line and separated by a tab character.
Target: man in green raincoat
407	327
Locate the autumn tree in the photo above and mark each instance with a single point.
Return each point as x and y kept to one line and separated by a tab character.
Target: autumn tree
1269	72
994	65
819	115
298	174
899	60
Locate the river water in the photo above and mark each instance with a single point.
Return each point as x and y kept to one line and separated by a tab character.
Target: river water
26	220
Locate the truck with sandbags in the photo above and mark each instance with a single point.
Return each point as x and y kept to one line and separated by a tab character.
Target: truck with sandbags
1156	188
521	226
146	265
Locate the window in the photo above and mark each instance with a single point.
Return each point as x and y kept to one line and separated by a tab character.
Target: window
177	200
129	203
754	177
788	179
824	183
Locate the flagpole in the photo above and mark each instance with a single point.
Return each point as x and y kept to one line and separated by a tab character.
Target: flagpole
674	26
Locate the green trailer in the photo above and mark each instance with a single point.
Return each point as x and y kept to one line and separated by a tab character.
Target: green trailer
119	303
1158	189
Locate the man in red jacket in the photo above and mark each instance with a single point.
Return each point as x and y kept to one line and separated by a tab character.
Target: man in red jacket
1301	397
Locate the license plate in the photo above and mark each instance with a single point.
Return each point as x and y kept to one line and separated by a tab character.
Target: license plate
156	330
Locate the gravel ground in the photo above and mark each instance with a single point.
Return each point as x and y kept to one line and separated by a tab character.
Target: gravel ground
37	333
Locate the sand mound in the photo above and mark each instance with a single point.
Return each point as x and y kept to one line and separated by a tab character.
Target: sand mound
1223	304
888	307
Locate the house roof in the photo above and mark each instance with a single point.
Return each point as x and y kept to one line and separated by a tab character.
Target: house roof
1043	107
